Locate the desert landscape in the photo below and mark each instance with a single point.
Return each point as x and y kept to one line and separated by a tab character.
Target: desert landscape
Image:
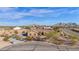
39	28
58	34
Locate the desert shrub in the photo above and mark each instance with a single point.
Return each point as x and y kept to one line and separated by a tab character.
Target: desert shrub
17	37
53	37
29	38
16	32
74	39
56	29
2	35
52	34
28	27
73	42
56	40
6	38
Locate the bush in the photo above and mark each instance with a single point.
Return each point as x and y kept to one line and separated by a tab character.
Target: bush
2	35
56	29
16	32
56	41
74	39
73	42
27	27
29	38
52	34
53	37
17	37
6	38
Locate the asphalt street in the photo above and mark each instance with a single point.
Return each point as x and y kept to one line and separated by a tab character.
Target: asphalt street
38	46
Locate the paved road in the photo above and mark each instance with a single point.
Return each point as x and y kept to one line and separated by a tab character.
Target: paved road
38	46
70	32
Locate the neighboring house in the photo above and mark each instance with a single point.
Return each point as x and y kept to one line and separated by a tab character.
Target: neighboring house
48	28
17	28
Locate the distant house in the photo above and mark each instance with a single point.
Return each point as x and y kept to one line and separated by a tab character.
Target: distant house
17	28
47	28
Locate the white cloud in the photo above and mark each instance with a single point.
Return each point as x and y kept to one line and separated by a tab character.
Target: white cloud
8	14
38	12
7	9
11	13
41	11
76	11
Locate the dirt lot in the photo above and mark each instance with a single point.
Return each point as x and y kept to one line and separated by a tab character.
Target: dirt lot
3	43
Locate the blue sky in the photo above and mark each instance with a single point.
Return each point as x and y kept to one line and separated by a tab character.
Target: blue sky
38	15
